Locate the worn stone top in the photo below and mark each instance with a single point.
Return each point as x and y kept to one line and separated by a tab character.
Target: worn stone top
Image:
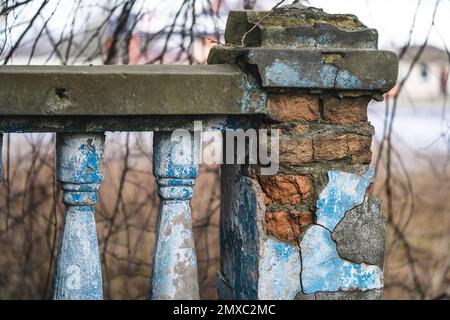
297	26
299	47
127	90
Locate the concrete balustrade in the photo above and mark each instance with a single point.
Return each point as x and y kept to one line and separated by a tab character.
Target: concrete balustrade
310	231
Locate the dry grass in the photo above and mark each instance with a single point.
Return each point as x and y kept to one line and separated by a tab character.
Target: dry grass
417	264
126	220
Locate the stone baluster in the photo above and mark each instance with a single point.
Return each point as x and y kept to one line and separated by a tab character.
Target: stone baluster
174	274
79	159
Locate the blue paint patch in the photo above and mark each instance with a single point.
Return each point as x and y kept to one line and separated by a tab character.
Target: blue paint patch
254	99
324	270
285	75
325	39
326	74
279	271
174	272
305	41
78	270
347	80
299	75
283	251
80	172
343	192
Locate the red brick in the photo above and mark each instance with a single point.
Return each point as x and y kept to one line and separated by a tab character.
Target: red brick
338	146
287	226
293	107
286	189
296	150
345	110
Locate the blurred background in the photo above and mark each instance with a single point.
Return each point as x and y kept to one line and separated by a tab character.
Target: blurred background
410	150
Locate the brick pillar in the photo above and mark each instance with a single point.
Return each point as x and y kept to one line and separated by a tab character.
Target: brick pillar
313	230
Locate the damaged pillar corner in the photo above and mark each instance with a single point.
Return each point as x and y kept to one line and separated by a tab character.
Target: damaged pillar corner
311	231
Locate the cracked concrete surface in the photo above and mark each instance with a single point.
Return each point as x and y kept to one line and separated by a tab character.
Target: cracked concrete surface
323	269
360	235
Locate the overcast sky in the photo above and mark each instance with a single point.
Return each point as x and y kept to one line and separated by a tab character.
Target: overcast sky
392	18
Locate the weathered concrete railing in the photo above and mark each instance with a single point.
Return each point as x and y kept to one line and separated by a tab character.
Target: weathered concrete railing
309	231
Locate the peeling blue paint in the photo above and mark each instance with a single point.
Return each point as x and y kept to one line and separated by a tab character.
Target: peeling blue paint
239	236
279	271
325	39
322	267
78	271
324	270
343	192
281	73
296	74
80	172
246	258
312	69
305	41
174	272
254	99
346	79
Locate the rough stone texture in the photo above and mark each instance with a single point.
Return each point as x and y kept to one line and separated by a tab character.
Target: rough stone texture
368	70
345	110
302	296
251	262
293	107
288	225
360	235
320	71
322	145
304	48
296	151
324	270
128	90
298	26
374	294
331	146
286	189
322	267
